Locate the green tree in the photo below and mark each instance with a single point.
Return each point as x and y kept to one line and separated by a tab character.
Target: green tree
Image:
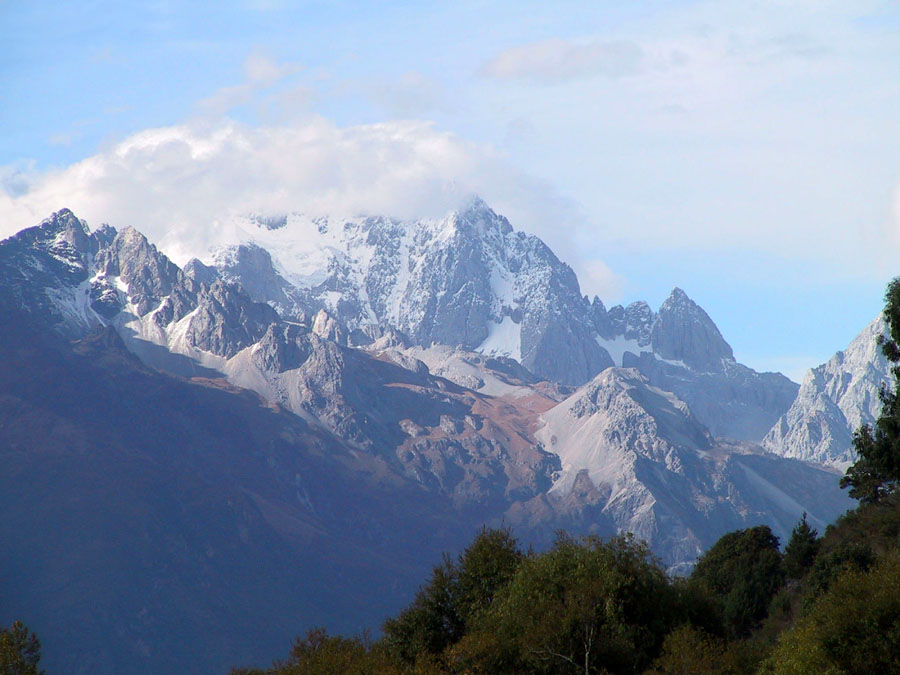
830	565
584	606
431	623
485	567
687	650
321	654
854	628
801	549
876	472
743	570
457	593
20	651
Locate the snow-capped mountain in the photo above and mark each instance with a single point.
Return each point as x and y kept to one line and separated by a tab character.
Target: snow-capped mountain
471	281
467	280
835	399
395	358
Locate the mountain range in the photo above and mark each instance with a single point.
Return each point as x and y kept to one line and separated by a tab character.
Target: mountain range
201	461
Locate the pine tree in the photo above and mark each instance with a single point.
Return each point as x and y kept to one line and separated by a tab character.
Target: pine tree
876	472
801	550
20	651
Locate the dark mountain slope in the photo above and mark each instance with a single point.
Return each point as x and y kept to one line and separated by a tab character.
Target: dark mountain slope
137	507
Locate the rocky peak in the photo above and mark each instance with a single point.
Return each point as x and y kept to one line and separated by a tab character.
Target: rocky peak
684	332
634	322
64	236
601	320
672	418
251	265
227	320
480	219
613	421
835	399
281	348
105	235
65	226
200	273
328	328
149	274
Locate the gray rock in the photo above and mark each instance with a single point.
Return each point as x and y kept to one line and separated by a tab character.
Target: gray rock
634	458
200	273
251	266
226	320
683	332
736	403
835	399
45	270
149	275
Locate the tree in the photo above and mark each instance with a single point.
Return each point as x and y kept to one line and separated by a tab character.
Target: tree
584	606
830	565
801	550
689	651
431	623
321	654
876	472
20	651
743	570
457	593
484	568
853	628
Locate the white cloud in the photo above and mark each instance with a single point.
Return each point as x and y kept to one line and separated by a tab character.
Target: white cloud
553	61
179	184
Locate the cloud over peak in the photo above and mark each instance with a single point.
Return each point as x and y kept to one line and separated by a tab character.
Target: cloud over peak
182	184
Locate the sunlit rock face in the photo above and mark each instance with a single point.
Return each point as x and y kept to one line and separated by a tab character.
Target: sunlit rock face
834	400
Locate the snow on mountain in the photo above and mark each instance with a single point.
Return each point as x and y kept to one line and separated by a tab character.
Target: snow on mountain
835	399
470	281
47	269
466	280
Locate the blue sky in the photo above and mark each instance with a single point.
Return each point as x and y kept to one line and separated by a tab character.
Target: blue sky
747	152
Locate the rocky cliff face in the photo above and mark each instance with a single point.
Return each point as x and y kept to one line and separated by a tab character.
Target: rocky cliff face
683	332
634	458
46	270
680	350
834	400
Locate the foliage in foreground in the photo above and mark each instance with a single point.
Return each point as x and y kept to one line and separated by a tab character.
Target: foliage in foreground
20	651
826	605
876	472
